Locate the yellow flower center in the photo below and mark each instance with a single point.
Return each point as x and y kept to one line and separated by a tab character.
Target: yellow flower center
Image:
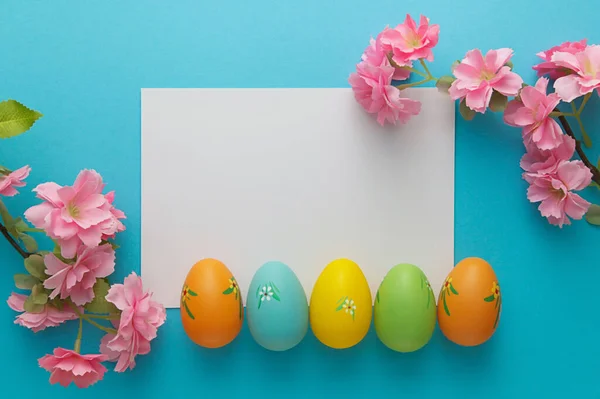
413	40
487	75
73	211
588	68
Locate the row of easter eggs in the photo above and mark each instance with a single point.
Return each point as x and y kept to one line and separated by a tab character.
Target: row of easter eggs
341	306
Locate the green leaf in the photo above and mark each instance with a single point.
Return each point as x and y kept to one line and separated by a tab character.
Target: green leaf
466	112
489	298
509	64
57	303
443	83
187	310
29	242
6	218
274	287
276	297
20	224
192	293
593	215
32	307
15	118
498	101
25	281
228	291
34	264
445	306
38	295
453	290
99	304
594	184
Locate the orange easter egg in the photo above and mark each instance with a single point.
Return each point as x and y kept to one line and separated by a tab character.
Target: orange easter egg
470	303
211	305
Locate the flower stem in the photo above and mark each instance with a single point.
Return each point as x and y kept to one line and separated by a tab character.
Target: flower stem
426	69
89	320
413	70
586	139
32	230
407	85
583	103
14	243
584	158
78	340
556	114
102	317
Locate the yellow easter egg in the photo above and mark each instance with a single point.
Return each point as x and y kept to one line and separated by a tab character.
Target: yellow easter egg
340	305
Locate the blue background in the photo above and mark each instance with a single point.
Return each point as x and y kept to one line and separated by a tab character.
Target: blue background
82	64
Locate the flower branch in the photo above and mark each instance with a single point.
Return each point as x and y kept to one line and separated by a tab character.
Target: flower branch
595	171
71	281
482	82
13	242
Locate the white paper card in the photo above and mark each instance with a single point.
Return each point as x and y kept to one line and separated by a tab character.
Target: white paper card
303	176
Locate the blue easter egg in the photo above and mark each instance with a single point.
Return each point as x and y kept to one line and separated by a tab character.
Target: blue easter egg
277	308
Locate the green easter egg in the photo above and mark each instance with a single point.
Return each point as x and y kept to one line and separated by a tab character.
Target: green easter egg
405	309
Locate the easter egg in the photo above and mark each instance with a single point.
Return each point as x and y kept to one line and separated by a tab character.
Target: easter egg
340	305
276	308
469	303
211	306
404	311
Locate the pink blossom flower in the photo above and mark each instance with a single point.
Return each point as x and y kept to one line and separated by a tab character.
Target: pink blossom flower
12	180
77	214
112	225
555	192
68	366
532	113
550	68
48	317
374	92
586	72
409	42
477	77
377	56
140	319
544	162
76	281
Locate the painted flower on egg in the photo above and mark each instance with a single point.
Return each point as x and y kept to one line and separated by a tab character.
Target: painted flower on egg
266	292
186	295
234	289
425	283
448	289
495	297
347	305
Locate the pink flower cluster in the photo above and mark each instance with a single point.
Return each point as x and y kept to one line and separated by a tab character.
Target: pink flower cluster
552	176
66	366
76	280
477	77
48	317
575	66
9	183
80	218
140	319
76	215
372	83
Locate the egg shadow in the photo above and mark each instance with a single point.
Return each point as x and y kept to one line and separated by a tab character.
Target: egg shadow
466	358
